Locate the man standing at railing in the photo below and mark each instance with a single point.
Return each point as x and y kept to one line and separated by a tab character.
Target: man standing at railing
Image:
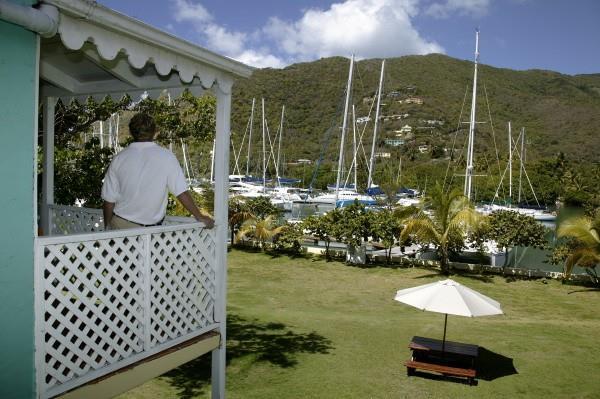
139	178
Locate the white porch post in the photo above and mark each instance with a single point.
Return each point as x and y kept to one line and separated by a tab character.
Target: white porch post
48	172
221	160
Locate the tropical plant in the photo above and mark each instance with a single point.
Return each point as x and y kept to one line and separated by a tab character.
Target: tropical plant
386	228
585	248
78	173
354	225
511	229
238	214
259	229
446	229
261	207
321	227
289	239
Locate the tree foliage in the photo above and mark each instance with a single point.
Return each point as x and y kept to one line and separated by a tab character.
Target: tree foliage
289	240
584	249
451	217
78	173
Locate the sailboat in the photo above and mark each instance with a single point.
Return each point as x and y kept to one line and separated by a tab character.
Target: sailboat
536	213
343	195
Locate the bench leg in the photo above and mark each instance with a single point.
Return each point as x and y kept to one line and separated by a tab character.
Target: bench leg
410	371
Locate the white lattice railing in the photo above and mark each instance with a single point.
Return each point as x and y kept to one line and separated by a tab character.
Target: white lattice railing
108	299
75	220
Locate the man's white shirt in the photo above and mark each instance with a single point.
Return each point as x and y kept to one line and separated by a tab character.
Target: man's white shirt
139	179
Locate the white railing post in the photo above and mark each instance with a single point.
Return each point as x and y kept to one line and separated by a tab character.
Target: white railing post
147	287
221	156
48	169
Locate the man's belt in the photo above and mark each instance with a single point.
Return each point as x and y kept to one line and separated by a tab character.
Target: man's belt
159	223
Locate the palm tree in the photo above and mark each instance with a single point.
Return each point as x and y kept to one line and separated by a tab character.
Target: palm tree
585	251
452	216
260	229
238	214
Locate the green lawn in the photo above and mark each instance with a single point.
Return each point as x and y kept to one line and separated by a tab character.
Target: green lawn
305	328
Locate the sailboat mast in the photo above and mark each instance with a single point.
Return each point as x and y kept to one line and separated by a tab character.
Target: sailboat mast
469	169
509	164
344	124
185	160
355	154
279	145
372	160
250	138
264	150
522	162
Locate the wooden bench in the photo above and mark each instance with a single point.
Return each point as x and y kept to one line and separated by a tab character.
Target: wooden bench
411	365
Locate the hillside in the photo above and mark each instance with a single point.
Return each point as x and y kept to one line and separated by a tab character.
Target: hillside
559	112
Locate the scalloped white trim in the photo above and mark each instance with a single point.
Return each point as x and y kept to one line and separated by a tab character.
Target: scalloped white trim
74	32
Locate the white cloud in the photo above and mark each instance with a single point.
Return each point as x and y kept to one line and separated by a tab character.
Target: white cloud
220	39
187	11
368	28
261	59
462	7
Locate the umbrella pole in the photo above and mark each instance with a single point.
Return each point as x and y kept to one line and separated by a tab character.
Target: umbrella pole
444	339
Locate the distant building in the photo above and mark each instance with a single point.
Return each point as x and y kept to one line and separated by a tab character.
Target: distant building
367	100
394	94
304	162
383	155
394	142
363	119
433	122
406	129
411	100
423	148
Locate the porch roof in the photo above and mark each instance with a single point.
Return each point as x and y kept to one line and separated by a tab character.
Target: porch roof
99	52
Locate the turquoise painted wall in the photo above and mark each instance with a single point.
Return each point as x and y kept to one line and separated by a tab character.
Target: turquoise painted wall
18	81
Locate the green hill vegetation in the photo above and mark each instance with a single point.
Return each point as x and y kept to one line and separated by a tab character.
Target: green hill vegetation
560	114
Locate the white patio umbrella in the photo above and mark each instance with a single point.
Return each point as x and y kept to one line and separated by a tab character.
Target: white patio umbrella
449	297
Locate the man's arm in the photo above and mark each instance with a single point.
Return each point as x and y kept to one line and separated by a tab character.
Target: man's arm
188	203
107	209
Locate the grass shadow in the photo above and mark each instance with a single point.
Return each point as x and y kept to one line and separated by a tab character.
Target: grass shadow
584	290
274	254
274	343
479	277
492	365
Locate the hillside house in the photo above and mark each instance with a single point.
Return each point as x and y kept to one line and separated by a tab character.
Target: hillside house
433	122
363	119
412	100
383	155
90	313
406	129
394	142
423	148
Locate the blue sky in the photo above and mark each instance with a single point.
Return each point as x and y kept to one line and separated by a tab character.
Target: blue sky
559	35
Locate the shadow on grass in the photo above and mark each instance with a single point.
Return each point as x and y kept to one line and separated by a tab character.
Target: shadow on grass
584	290
274	343
288	254
492	365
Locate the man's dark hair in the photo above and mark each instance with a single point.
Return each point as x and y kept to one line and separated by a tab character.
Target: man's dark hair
142	127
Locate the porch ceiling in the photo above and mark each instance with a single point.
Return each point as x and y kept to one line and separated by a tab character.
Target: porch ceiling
99	52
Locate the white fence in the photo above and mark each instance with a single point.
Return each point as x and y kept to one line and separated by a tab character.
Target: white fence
105	300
